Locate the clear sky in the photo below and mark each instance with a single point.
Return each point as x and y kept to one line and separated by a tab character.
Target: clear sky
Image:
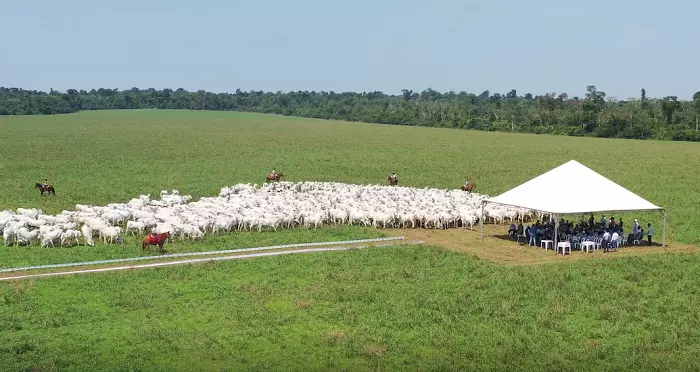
535	46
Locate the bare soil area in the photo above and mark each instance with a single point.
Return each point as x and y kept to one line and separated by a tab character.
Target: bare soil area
498	248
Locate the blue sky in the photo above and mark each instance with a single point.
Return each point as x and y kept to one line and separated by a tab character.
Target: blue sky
535	46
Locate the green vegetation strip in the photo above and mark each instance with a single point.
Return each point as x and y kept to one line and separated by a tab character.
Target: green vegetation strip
101	262
640	117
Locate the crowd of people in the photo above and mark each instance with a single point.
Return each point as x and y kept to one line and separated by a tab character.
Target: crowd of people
609	231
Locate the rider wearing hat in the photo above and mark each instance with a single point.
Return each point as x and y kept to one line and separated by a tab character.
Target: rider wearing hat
393	176
467	182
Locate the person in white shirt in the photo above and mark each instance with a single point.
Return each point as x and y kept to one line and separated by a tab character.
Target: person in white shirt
606	241
615	240
636	226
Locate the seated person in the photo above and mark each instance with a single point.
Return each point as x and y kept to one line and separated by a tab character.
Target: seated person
512	230
637	235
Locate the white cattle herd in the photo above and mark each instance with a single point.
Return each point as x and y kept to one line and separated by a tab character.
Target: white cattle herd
249	207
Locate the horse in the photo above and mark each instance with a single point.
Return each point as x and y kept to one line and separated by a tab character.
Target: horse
43	189
148	241
471	186
275	177
393	182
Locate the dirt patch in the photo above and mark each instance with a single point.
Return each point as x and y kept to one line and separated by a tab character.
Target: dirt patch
302	304
335	336
497	248
373	350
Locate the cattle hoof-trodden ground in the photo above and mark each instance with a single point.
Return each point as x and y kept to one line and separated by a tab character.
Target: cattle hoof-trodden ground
452	302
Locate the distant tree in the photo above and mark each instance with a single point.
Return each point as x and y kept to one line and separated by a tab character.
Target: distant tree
668	106
592	115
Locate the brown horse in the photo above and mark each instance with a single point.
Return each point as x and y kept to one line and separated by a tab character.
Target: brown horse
148	241
275	178
49	189
468	188
392	182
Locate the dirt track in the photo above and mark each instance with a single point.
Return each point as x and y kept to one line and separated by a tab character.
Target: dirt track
498	248
165	261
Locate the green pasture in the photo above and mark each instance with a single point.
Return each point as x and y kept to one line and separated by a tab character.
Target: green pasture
410	308
380	309
17	256
100	157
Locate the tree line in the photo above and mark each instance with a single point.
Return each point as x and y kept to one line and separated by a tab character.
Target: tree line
594	114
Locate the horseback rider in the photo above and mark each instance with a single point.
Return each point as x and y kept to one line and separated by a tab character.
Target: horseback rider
467	183
154	235
46	184
393	176
274	173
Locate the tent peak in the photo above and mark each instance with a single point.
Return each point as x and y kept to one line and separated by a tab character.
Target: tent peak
572	188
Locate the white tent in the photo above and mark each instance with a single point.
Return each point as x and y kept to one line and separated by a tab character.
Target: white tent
573	188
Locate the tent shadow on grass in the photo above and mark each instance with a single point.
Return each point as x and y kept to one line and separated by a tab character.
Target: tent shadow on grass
508	238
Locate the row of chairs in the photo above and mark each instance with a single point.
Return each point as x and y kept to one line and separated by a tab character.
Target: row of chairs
579	242
622	240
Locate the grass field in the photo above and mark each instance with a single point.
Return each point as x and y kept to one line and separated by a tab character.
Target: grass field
383	309
403	308
111	156
35	255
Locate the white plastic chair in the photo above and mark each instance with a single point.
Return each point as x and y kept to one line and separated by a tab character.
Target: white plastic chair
546	243
587	245
576	242
563	245
599	243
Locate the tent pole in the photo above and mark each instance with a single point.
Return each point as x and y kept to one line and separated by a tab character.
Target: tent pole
481	219
663	233
556	232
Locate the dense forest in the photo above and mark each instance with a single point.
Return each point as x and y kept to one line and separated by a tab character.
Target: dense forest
594	114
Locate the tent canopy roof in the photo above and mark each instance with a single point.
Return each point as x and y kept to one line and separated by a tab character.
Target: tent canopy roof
572	188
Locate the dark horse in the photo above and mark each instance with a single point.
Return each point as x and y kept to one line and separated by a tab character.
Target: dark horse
43	189
148	241
275	178
468	188
393	182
